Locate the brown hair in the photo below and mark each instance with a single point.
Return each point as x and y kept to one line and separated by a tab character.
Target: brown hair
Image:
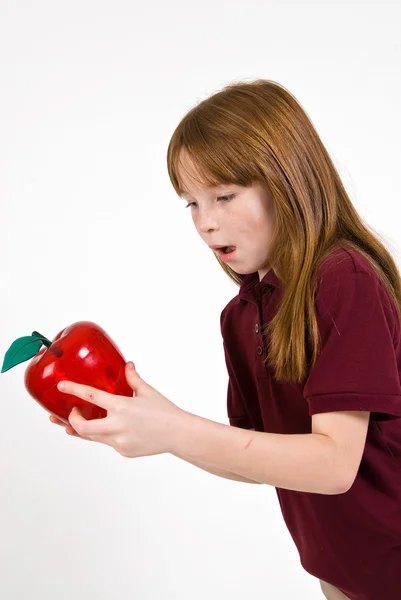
257	131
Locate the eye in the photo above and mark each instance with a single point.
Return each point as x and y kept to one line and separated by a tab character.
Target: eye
224	198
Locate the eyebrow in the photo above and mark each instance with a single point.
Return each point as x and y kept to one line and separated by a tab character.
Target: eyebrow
187	193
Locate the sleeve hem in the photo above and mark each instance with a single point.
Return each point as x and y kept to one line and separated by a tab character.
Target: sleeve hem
242	422
377	403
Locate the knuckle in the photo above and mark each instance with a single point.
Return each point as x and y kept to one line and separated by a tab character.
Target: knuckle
120	444
80	430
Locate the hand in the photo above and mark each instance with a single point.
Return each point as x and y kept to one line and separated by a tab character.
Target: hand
143	424
68	428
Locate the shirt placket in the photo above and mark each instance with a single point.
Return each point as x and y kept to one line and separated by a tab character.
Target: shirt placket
262	297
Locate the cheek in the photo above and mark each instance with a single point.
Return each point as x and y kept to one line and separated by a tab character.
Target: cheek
255	222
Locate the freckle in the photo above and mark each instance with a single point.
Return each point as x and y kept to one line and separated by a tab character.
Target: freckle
249	443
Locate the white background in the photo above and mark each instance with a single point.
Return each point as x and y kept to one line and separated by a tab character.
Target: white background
91	229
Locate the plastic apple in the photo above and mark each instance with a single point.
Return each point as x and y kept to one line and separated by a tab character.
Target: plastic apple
83	353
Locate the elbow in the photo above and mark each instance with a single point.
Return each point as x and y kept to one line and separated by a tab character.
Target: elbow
346	472
344	484
338	490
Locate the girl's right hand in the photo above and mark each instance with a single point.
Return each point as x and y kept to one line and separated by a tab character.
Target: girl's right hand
68	428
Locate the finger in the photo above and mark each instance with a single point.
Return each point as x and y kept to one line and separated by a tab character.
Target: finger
90	394
95	428
68	428
71	431
57	421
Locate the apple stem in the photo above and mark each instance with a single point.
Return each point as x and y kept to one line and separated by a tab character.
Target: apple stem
45	341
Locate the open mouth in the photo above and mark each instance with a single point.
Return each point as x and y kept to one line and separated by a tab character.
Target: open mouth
226	251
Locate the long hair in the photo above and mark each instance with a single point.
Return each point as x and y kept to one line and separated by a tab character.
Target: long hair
258	131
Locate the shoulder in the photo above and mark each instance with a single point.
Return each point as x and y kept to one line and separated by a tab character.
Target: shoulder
347	284
346	271
343	262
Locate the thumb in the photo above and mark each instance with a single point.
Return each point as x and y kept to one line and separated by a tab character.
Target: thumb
134	380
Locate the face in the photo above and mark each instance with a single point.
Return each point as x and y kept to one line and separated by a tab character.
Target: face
233	215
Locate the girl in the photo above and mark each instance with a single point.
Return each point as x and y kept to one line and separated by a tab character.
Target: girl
258	179
311	341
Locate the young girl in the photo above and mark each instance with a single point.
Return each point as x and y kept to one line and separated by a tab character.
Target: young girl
311	340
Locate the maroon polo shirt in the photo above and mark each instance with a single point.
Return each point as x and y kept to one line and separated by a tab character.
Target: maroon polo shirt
351	540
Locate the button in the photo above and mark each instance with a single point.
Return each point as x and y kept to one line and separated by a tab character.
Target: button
257	328
267	287
259	350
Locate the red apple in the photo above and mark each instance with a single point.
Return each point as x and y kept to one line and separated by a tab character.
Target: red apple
82	352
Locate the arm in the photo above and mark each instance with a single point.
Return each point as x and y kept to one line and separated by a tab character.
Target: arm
303	462
221	472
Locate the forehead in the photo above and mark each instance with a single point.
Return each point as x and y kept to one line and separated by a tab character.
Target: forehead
199	189
191	181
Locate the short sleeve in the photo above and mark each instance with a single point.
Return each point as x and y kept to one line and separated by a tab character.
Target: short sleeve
236	411
236	415
357	368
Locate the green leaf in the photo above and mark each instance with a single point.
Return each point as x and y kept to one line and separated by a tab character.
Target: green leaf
21	349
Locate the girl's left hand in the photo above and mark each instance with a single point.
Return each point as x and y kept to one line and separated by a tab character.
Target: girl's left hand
142	425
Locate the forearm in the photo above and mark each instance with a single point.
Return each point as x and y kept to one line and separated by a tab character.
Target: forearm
303	462
220	472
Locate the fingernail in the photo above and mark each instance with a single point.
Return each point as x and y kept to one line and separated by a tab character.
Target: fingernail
61	386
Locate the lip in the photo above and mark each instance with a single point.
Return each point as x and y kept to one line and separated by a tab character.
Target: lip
225	257
218	246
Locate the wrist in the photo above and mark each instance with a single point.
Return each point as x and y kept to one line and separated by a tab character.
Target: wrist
179	431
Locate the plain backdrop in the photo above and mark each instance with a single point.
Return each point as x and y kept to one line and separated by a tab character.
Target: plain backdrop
91	229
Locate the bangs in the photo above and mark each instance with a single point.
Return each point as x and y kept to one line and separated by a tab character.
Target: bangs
211	158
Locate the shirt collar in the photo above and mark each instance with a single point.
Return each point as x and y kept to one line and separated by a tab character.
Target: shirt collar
251	282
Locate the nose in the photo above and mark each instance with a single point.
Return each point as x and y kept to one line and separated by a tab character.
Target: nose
206	221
